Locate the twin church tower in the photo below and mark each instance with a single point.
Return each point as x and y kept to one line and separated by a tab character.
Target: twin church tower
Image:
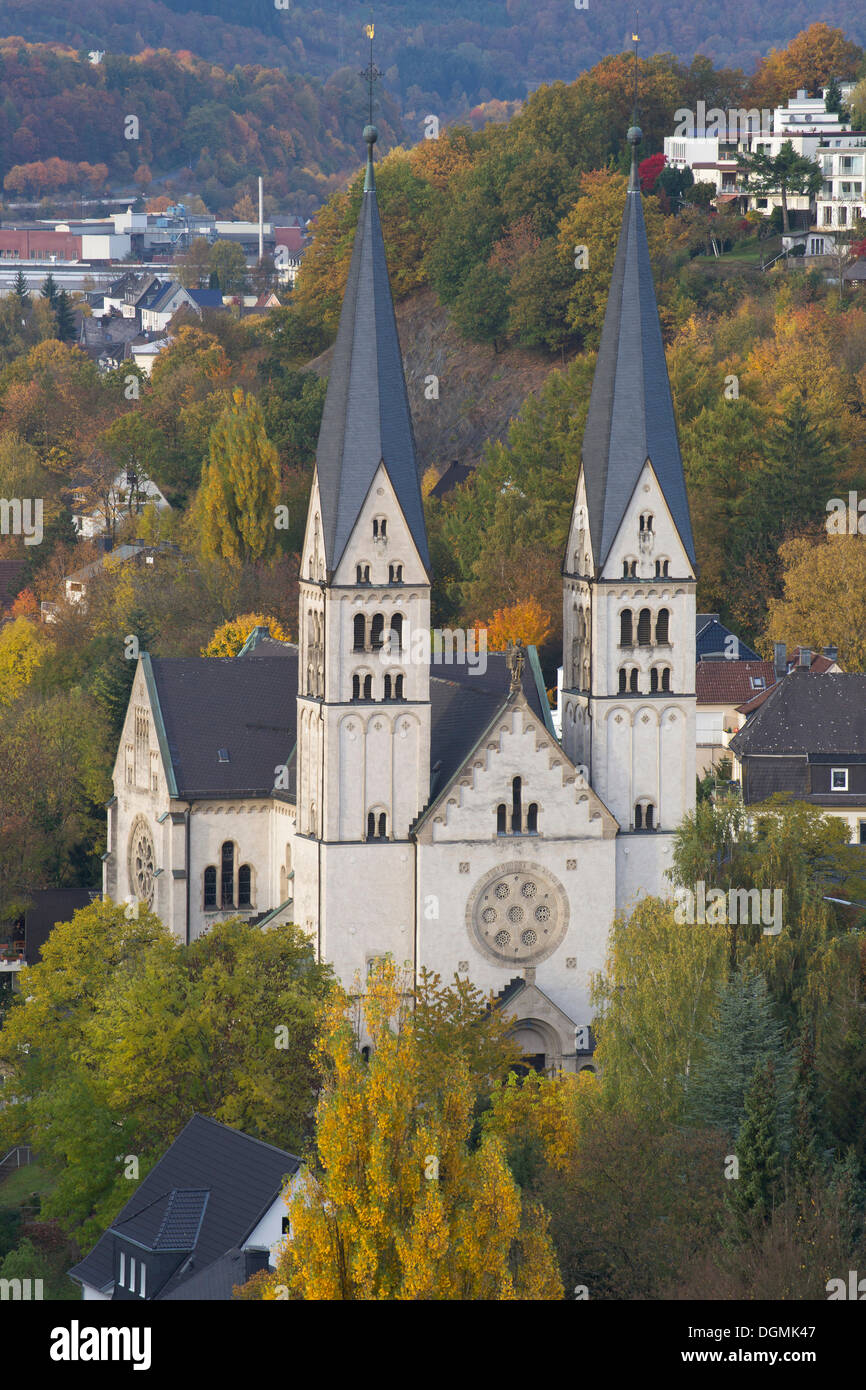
428	812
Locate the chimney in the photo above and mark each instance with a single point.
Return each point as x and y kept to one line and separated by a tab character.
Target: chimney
805	658
780	659
831	653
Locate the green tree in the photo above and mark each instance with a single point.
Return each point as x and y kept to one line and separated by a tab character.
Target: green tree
228	264
20	288
480	310
65	319
755	1192
745	1035
49	290
786	173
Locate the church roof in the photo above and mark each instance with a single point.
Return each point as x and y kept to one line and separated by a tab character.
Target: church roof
244	707
366	419
631	412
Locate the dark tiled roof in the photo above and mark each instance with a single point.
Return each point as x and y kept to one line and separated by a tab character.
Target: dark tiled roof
463	705
10	581
366	420
806	713
764	777
455	474
207	299
241	1176
217	1283
714	639
631	412
730	682
244	706
48	906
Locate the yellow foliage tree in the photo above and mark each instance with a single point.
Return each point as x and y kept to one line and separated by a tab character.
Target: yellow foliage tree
240	487
824	600
814	56
23	646
525	621
231	636
397	1206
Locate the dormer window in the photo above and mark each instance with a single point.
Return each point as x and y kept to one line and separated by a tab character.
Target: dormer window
839	779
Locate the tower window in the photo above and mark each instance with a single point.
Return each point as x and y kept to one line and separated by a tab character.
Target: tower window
644	628
632	680
501	817
516	812
383	825
368	687
377	825
662	569
532	818
371	825
245	886
654	680
662	627
650	817
395	574
356	687
362	573
227	877
210	886
666	678
638	817
360	631
396	632
625	628
380	528
377	629
646	521
398	688
622	680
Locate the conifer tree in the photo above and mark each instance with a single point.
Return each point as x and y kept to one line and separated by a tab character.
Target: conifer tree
746	1035
49	290
240	486
65	320
753	1195
21	288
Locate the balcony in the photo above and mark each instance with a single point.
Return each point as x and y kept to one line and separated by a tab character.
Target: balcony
11	948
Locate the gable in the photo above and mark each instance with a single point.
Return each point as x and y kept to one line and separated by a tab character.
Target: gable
647	498
381	503
516	744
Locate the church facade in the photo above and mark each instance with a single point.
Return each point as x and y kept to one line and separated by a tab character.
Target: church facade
393	803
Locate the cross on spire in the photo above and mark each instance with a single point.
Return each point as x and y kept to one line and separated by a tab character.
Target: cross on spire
371	72
634	39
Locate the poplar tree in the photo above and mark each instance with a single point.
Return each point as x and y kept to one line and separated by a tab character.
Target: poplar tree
240	486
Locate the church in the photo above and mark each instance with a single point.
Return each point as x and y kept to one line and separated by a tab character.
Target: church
425	810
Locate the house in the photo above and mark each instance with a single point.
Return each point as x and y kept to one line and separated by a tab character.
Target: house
127	496
136	552
808	738
455	474
208	1215
21	941
721	687
11	582
395	799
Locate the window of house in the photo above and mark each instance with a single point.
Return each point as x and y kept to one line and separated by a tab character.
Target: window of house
863	832
756	682
839	779
131	1284
654	680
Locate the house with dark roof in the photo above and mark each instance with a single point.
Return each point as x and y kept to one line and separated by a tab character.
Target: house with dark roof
808	739
208	1216
401	794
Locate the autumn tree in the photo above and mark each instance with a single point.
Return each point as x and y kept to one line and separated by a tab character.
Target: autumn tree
811	60
231	636
240	486
823	599
228	264
524	622
23	644
396	1204
193	267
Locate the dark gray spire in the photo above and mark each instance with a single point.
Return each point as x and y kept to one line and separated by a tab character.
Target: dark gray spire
631	411
366	420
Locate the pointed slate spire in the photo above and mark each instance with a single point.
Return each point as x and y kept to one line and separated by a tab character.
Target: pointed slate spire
367	420
631	410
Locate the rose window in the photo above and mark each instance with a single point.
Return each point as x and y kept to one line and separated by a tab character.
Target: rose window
534	893
142	861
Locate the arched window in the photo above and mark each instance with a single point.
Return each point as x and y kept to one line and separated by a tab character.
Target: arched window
210	893
383	825
666	678
662	627
356	687
395	574
387	692
662	569
622	680
516	812
644	628
625	569
646	521
362	574
377	629
532	818
227	875
396	632
380	528
632	569
654	680
638	817
245	886
501	816
398	688
368	687
649	818
371	825
625	628
360	630
632	680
